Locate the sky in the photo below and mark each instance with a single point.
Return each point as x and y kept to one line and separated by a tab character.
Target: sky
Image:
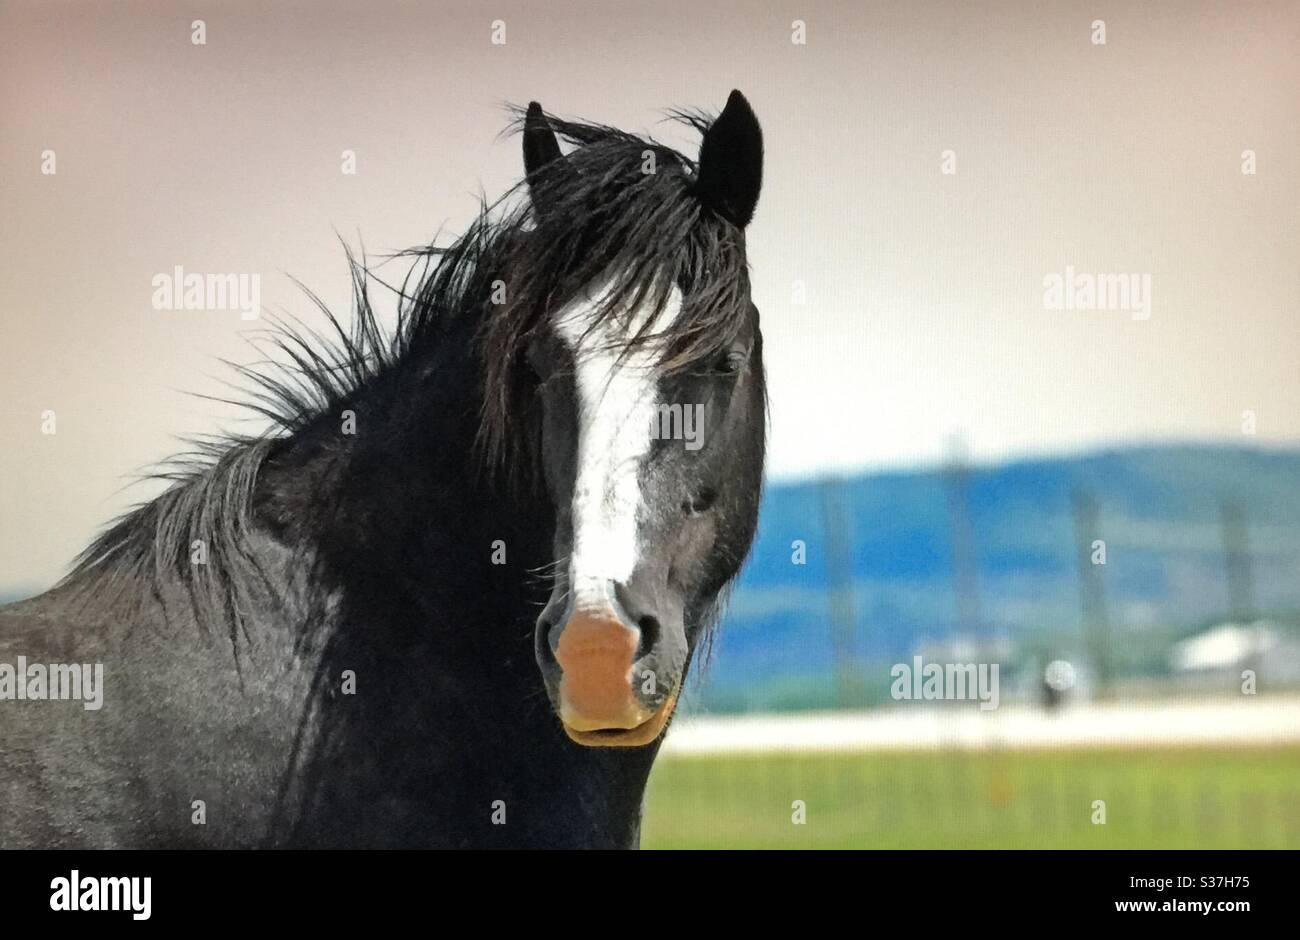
903	306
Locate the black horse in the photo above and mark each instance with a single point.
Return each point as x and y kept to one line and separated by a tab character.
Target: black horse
329	635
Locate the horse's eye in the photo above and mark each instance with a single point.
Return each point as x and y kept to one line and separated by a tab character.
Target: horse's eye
732	361
701	502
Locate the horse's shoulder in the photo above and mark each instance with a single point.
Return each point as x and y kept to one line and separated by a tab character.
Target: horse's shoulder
34	625
23	617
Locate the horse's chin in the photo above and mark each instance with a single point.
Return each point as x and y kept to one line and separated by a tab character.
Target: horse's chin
645	733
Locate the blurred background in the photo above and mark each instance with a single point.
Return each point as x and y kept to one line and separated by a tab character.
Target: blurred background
1162	679
1103	505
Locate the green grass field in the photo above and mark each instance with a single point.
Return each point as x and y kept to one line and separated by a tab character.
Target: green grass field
1158	798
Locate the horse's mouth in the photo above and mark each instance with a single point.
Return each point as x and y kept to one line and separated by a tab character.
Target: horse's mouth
645	733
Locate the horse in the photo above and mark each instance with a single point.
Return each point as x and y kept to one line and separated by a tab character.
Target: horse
450	596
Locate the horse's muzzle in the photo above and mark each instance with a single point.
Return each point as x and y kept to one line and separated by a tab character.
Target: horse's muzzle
600	681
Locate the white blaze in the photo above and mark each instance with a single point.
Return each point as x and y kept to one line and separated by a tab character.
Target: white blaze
616	405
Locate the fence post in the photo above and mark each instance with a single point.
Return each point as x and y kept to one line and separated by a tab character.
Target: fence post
1092	591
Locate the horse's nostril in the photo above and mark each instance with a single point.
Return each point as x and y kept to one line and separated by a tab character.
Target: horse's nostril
542	640
650	631
701	501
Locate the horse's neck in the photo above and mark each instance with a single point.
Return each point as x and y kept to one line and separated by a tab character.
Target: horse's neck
435	569
408	533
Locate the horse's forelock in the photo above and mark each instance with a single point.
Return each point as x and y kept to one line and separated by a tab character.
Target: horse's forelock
618	212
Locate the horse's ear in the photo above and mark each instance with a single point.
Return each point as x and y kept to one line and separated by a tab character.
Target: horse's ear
731	162
540	145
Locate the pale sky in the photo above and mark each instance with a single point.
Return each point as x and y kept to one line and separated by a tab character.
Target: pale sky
922	310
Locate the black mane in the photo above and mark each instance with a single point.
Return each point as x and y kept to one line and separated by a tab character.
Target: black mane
605	220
